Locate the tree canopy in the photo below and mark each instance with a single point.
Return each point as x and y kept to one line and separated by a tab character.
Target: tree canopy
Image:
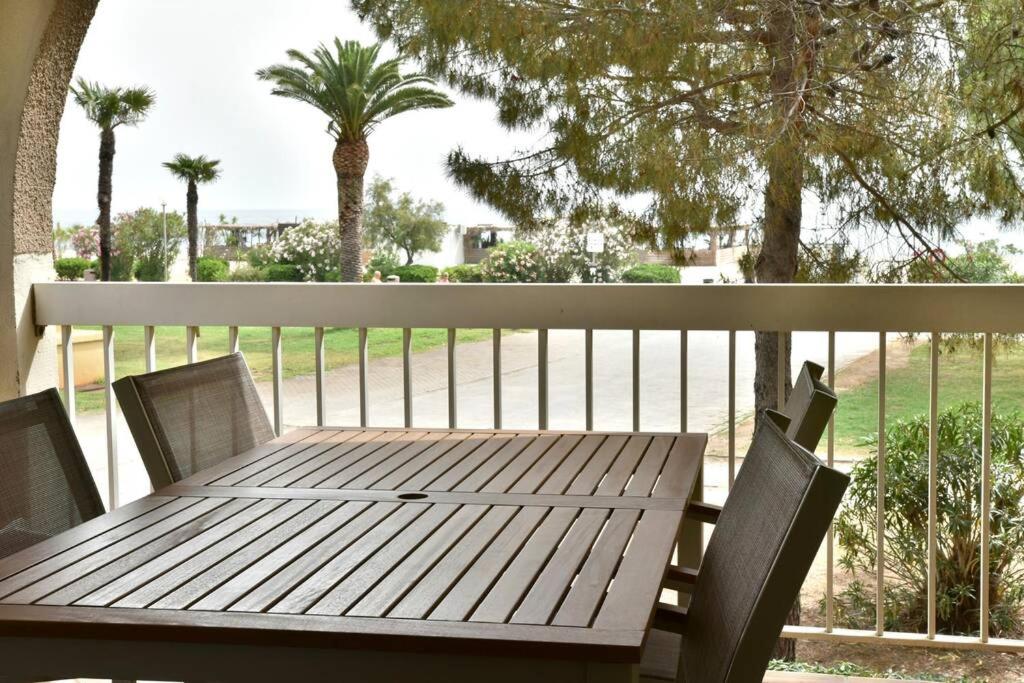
198	169
110	107
351	87
401	222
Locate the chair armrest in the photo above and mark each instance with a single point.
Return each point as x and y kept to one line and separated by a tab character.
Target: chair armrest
700	511
680	578
670	618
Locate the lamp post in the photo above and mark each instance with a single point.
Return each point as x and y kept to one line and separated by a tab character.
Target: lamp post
163	211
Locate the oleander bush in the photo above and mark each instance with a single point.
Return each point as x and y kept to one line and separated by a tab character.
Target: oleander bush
512	262
71	268
209	269
313	248
247	273
959	526
652	273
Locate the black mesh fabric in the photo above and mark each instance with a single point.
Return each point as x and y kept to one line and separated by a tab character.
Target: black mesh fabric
45	484
763	543
809	407
203	413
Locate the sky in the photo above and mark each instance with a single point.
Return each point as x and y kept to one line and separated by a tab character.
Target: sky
200	58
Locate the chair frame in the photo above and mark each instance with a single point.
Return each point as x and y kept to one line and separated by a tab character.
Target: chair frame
141	426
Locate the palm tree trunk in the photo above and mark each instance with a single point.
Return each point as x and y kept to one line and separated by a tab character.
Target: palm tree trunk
104	194
192	204
350	159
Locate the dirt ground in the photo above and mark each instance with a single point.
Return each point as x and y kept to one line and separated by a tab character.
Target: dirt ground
994	667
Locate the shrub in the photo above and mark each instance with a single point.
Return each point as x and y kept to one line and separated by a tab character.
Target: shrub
314	248
138	243
149	271
246	274
512	262
652	272
467	272
260	256
564	256
384	261
210	269
415	273
71	268
959	530
86	241
284	272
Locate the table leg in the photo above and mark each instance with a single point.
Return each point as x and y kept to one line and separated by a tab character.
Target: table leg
690	544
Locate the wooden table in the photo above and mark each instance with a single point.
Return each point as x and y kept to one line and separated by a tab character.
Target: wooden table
367	555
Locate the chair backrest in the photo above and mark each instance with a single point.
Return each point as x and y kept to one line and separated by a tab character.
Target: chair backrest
191	417
809	407
764	541
45	483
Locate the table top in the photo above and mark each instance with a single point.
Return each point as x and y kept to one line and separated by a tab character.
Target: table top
533	543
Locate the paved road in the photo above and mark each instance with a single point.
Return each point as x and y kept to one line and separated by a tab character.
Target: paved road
659	388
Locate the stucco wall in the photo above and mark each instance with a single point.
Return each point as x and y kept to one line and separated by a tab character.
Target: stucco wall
39	44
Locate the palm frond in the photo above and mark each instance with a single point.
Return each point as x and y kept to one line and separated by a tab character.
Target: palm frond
200	169
346	82
111	107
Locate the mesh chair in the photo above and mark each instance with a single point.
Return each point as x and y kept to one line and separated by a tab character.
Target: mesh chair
809	406
188	418
766	537
45	484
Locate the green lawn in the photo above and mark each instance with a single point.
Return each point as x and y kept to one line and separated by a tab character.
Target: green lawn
341	348
907	389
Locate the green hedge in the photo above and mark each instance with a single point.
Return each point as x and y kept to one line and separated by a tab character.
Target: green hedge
247	273
71	268
652	272
464	273
283	272
210	269
415	273
149	270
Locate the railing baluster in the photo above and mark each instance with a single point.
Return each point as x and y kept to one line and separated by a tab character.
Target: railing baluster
407	376
111	415
192	344
588	371
233	339
831	446
453	404
542	379
732	407
149	340
780	388
363	388
275	353
496	375
684	352
986	485
69	372
636	380
318	345
880	495
933	476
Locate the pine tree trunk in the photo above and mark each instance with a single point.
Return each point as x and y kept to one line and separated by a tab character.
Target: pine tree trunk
192	204
104	194
350	159
777	261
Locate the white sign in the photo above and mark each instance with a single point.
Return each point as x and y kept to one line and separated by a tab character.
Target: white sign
595	242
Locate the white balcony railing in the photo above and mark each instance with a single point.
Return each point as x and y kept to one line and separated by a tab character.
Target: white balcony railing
929	309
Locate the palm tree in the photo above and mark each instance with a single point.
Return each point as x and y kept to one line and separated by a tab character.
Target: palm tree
193	170
357	93
109	108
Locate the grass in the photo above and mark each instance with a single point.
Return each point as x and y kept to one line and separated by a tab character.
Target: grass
850	669
907	389
341	347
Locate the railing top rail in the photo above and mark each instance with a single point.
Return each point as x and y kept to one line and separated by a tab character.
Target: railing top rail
899	308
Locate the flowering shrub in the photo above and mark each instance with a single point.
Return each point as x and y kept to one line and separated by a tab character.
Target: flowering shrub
565	258
313	248
86	242
512	262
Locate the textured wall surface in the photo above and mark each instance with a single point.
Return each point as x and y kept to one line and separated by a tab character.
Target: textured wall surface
39	44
